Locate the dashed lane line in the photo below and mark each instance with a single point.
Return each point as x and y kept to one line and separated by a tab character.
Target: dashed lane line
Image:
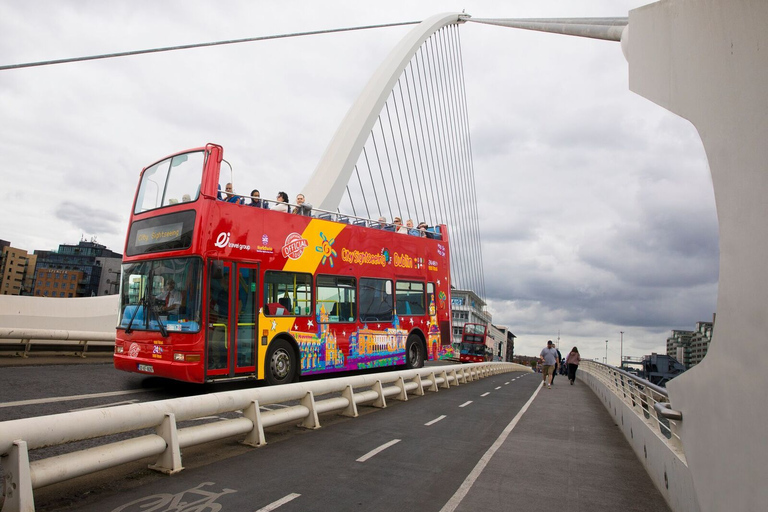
377	450
465	404
486	393
430	423
279	503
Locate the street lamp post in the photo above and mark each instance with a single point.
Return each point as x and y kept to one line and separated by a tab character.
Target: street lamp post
606	351
621	361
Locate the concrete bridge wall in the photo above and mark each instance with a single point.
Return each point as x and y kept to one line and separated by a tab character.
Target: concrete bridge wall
81	314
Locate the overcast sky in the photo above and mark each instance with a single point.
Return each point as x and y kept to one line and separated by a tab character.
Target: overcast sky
596	205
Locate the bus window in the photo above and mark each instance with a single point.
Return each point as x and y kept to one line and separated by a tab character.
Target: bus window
376	301
335	299
172	181
287	293
410	298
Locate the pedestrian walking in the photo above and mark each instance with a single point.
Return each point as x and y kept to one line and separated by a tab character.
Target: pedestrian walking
573	361
549	360
559	363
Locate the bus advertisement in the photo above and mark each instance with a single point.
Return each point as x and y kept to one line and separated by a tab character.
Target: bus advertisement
473	348
212	289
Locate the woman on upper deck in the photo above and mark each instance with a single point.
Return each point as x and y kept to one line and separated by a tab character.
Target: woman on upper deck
282	203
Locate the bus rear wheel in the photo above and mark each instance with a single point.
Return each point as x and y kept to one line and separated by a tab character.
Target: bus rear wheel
280	363
414	352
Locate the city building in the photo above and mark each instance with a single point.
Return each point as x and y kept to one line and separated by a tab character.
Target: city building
99	268
17	270
59	283
690	347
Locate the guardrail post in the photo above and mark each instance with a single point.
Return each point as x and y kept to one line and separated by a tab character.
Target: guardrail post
463	375
433	386
419	385
311	421
351	409
17	479
403	392
84	344
169	461
455	378
256	436
445	384
380	402
27	343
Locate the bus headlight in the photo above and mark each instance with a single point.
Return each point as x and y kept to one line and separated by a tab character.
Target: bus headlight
118	349
186	358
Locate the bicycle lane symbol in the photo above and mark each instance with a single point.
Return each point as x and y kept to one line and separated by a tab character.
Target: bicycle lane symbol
181	502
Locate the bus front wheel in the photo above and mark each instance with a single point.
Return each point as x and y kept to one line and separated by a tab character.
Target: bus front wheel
281	363
414	352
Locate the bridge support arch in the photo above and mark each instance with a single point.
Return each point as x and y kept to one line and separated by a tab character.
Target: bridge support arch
327	184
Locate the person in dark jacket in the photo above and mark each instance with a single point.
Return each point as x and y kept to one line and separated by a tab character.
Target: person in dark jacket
257	201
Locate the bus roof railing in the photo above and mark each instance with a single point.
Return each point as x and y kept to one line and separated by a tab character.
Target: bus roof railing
345	218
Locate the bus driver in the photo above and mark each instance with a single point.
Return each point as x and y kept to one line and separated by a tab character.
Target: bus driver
170	299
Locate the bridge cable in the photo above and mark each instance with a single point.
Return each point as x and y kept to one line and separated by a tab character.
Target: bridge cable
397	161
200	45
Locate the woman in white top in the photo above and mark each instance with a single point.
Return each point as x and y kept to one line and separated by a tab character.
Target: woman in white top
399	228
282	202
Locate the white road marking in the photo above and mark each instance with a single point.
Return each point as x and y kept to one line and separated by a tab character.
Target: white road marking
486	393
465	404
377	450
498	387
279	503
73	397
459	495
435	420
124	402
506	383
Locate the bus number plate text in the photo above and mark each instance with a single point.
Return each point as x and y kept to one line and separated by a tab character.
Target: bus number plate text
146	368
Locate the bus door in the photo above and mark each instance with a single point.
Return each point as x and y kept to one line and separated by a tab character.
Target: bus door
232	318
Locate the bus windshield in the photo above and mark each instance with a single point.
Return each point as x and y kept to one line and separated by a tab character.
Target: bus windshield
172	181
161	295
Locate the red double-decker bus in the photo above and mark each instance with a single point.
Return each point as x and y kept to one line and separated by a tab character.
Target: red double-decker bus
473	347
214	290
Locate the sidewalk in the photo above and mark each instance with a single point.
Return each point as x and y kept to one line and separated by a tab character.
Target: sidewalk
565	454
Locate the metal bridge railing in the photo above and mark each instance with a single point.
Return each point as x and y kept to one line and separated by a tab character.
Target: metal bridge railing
17	437
647	400
21	341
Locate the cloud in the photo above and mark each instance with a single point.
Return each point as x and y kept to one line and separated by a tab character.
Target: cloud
89	220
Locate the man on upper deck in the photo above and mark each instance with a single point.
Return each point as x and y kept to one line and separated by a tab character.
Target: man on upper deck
302	207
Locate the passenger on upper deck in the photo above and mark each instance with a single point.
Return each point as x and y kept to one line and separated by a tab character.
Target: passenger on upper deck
399	226
411	230
302	207
381	225
231	197
423	230
282	203
185	198
256	200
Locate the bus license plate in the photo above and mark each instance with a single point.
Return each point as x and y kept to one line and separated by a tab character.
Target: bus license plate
146	368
